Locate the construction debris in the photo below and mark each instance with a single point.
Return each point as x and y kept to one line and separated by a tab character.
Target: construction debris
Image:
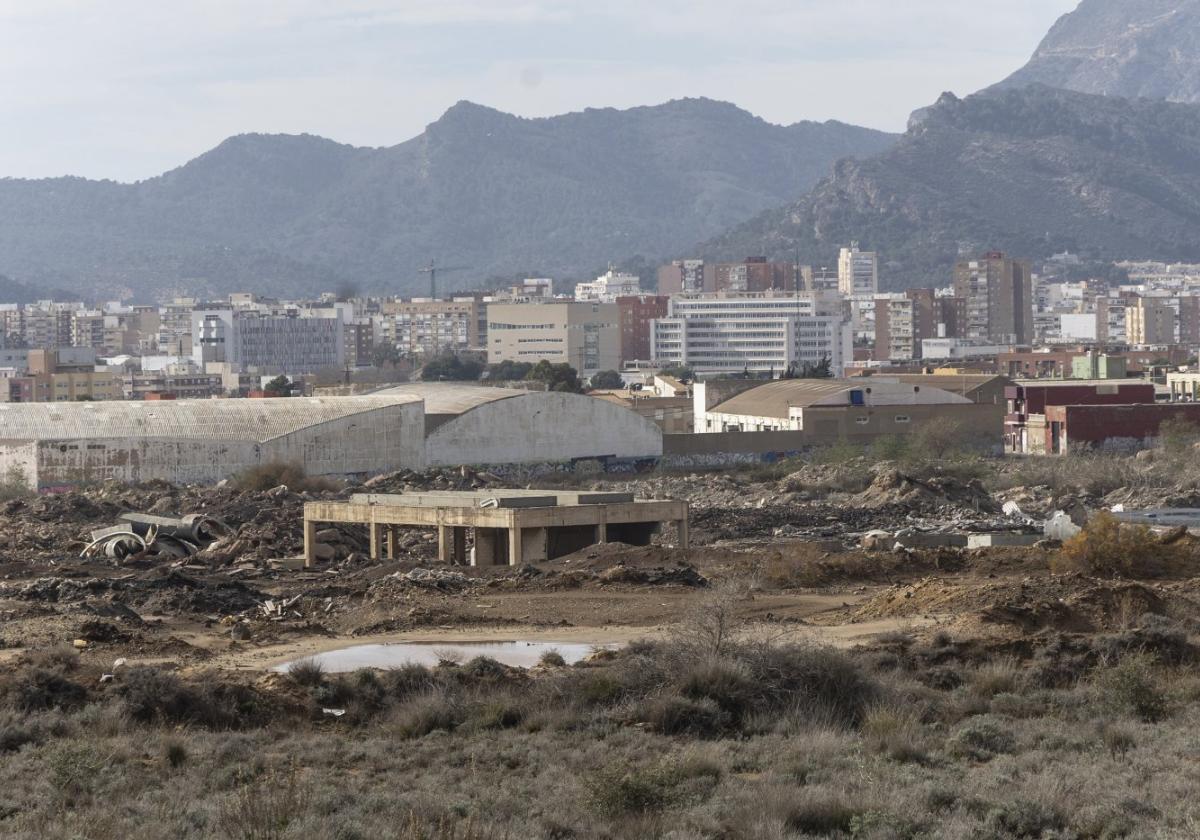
145	535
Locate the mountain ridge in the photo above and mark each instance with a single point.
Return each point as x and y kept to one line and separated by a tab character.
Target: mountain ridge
1033	171
298	214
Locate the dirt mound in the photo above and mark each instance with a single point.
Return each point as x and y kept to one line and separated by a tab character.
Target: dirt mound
892	488
1071	603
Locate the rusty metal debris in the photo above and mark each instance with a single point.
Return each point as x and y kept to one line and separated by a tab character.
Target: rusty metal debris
139	534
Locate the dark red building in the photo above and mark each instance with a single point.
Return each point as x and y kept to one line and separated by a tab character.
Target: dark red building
1028	428
635	314
1120	427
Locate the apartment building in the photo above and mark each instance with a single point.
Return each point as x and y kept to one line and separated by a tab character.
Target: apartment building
1150	321
732	332
687	277
586	336
636	316
998	292
430	327
177	383
755	274
858	271
903	321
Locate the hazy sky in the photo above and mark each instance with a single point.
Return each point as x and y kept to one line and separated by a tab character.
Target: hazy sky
127	89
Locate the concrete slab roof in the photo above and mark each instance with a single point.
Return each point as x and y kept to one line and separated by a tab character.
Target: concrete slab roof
257	420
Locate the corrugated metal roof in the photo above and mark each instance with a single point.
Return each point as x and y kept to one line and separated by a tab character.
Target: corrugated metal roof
453	398
259	420
776	399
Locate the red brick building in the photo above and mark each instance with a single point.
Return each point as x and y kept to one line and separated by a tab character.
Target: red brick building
1028	427
635	315
1115	427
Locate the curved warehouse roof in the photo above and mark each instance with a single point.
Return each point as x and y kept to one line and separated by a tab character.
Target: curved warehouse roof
452	398
241	420
776	399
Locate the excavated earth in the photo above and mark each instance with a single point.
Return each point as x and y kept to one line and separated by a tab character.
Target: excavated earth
788	545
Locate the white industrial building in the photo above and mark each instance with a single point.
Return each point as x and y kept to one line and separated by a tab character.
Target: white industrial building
758	332
473	425
204	441
59	445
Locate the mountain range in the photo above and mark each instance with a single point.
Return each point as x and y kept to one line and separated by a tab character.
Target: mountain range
496	194
1032	171
1128	48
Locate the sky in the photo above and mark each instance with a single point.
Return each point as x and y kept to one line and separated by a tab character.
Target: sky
128	89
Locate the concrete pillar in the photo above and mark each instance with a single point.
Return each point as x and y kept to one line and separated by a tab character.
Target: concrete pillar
460	546
445	547
485	546
535	544
515	554
391	541
376	541
310	542
682	524
602	532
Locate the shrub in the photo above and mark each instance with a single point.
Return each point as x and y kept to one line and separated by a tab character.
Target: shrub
37	688
307	672
407	680
552	659
981	739
616	790
1022	818
726	683
821	813
673	715
1106	548
74	768
176	754
894	732
425	713
1133	685
153	696
275	473
822	680
264	808
1117	740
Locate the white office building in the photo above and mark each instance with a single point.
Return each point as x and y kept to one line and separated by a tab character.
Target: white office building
759	332
608	287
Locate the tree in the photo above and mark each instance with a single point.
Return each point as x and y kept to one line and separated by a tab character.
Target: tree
561	377
607	380
807	370
384	354
681	372
280	386
509	371
450	368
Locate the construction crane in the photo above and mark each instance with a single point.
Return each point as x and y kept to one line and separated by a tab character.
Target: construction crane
432	270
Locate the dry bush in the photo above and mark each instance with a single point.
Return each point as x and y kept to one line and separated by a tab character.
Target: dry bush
264	808
1106	548
895	732
1133	685
307	672
276	473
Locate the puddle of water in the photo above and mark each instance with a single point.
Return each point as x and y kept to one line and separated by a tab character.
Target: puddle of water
517	654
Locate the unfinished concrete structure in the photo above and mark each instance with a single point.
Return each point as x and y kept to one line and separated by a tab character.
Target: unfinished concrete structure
504	527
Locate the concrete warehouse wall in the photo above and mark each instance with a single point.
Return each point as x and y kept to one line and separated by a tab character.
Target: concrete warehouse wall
19	456
379	440
542	427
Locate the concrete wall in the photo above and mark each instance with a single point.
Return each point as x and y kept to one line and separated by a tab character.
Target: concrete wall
543	427
375	441
22	456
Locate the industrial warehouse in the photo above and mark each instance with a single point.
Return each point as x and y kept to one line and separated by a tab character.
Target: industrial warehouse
59	445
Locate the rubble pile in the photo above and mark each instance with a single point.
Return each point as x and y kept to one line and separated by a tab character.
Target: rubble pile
894	488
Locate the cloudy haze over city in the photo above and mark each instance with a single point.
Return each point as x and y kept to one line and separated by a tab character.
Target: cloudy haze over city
126	90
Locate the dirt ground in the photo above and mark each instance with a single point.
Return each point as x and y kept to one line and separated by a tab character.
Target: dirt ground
792	556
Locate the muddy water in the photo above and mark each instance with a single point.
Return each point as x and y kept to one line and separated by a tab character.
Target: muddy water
519	654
